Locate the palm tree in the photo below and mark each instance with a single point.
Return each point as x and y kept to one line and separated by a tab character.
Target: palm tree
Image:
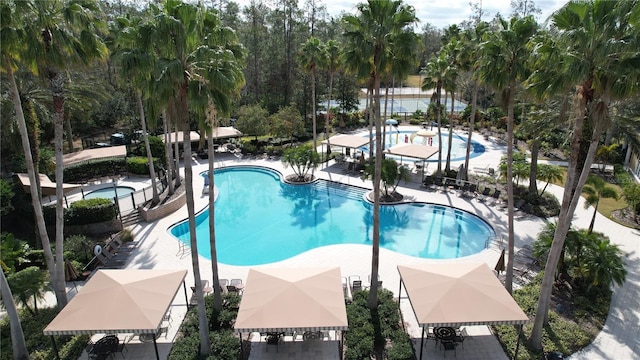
313	54
380	28
549	173
604	153
596	188
193	66
452	50
588	33
18	344
331	65
435	74
61	33
603	262
504	59
136	63
470	61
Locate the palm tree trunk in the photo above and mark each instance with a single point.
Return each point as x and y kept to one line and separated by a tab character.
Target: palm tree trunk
372	302
18	345
384	117
593	218
472	119
152	170
511	236
167	152
448	164
439	120
176	152
205	345
567	209
533	170
313	109
33	175
67	123
57	89
371	114
327	120
217	296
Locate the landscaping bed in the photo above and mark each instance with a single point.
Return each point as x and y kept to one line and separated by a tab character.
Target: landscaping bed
574	320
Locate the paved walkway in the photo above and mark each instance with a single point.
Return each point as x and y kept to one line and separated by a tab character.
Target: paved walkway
618	340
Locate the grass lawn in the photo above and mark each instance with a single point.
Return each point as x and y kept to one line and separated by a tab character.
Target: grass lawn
606	206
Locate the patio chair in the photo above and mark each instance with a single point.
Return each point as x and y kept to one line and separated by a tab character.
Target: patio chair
273	339
104	347
449	345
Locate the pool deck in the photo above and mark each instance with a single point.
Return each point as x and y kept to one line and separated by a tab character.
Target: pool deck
159	250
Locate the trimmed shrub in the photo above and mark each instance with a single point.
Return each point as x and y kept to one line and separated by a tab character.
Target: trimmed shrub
387	333
139	165
89	211
93	169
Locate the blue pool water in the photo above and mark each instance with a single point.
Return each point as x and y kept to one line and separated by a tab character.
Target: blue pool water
458	143
261	220
110	192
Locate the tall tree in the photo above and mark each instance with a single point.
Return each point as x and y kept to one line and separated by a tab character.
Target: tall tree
435	74
379	29
580	57
505	56
596	189
193	66
18	344
469	61
136	65
332	65
313	54
63	33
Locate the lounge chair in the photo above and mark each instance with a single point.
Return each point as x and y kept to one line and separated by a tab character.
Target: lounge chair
379	282
356	283
223	284
345	289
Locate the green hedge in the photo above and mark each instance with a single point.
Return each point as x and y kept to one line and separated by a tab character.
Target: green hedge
39	345
224	344
89	211
94	169
140	166
381	328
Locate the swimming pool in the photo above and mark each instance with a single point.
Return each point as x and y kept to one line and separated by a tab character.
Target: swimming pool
110	192
458	143
260	220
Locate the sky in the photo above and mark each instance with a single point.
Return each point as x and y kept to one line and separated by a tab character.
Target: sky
440	13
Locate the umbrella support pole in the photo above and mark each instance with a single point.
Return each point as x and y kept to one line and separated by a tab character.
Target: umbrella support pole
55	347
515	354
241	347
155	347
421	341
186	297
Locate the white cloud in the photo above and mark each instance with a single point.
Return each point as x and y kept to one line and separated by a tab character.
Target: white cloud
441	13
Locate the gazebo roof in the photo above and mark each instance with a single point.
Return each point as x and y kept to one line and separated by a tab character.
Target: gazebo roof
456	294
119	301
348	141
292	299
94	154
422	152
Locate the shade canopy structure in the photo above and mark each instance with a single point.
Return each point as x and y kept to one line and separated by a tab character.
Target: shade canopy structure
457	294
119	301
347	141
47	186
179	137
422	152
285	300
226	132
94	154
